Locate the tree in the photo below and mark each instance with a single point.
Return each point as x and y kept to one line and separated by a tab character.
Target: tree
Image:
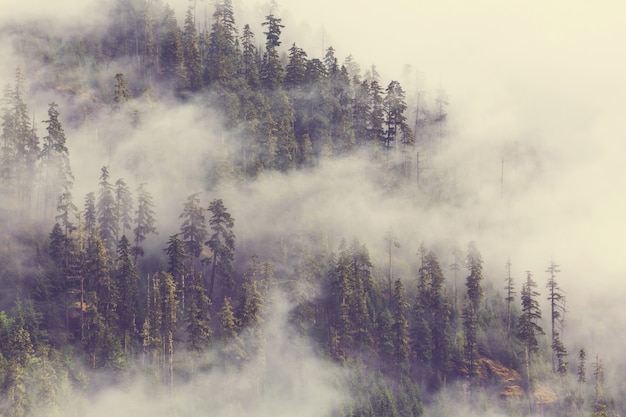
473	306
557	313
193	229
55	163
176	255
272	70
250	65
144	220
376	131
123	207
400	330
509	287
528	327
126	282
295	71
581	372
221	243
107	220
191	53
222	54
171	57
122	94
91	225
394	107
197	315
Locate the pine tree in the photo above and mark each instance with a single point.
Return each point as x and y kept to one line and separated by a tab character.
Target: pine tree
473	306
222	245
193	229
272	71
376	131
250	66
222	54
122	94
171	58
528	327
144	220
126	282
581	371
123	207
197	315
177	255
509	287
191	53
557	313
394	108
55	163
91	225
295	71
107	221
400	330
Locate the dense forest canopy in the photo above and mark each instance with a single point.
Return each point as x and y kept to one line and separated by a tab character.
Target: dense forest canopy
202	210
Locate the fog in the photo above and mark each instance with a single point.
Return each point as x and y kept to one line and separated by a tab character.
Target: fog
534	157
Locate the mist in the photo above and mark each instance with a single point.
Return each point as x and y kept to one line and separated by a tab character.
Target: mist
531	168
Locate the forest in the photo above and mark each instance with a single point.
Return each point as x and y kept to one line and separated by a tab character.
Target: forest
179	252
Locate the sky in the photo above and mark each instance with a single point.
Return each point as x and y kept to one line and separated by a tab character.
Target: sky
544	77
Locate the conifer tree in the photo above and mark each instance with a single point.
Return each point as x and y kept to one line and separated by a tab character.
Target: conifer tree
177	255
145	221
394	108
295	71
126	282
556	299
528	327
222	51
222	245
191	53
472	308
509	287
107	220
171	58
55	163
193	229
197	315
123	207
250	64
400	330
272	71
122	94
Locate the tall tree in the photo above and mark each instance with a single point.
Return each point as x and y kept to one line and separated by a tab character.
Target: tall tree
126	282
556	298
177	255
107	220
222	49
55	162
193	229
528	327
400	330
394	108
145	221
250	64
121	94
171	57
272	71
197	315
191	53
222	244
123	208
509	287
473	306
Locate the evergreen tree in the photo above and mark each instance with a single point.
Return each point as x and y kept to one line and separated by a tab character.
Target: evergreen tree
473	306
123	207
107	221
400	330
295	71
197	315
55	163
122	94
556	299
144	220
176	255
91	224
171	58
271	69
250	65
394	107
191	53
222	244
528	327
169	318
222	49
126	282
193	229
510	295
